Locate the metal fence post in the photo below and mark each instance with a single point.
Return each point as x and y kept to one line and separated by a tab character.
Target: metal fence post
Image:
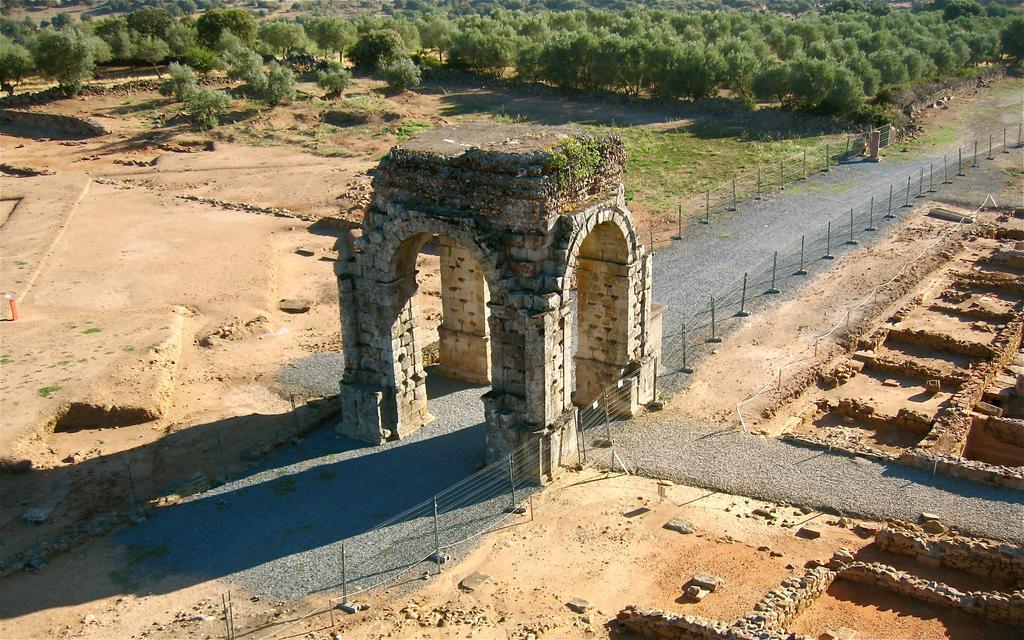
1020	130
801	271
607	419
974	161
758	196
959	161
227	617
714	337
1005	149
931	178
945	173
803	166
871	216
511	485
826	159
906	204
782	176
888	211
679	232
990	156
851	241
707	207
437	537
686	369
344	575
742	313
828	243
775	264
920	185
733	207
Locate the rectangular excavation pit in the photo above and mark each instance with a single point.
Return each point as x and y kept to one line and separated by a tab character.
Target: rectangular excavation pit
886	435
888	392
947	332
996	441
877	613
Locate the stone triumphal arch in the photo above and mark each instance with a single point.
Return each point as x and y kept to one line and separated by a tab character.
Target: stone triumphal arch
535	244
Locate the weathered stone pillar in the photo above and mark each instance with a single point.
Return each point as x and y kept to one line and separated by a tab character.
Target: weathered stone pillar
465	349
874	143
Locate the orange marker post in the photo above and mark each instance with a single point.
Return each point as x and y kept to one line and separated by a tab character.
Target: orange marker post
14	306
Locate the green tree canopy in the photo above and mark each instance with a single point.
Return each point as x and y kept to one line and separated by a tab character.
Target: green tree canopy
211	24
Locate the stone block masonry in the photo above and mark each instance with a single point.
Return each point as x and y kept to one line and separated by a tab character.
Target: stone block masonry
520	214
980	557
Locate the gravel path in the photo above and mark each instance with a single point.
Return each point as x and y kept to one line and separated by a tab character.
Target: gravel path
277	530
733	462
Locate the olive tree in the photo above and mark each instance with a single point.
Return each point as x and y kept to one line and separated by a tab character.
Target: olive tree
69	56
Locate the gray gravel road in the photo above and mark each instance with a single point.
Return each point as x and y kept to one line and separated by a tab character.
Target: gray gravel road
731	461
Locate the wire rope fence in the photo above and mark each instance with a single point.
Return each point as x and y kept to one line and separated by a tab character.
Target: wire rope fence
788	266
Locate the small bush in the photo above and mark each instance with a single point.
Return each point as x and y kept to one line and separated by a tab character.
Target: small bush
334	80
280	85
205	107
180	82
203	60
400	74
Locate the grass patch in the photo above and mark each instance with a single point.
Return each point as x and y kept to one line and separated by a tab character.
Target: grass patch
128	349
665	167
92	330
409	128
47	391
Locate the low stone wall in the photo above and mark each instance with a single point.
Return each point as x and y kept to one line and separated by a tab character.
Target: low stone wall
992	605
121	89
1010	477
658	624
952	425
1008	430
783	604
974	555
46	124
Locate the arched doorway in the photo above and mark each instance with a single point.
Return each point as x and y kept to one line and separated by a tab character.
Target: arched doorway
604	307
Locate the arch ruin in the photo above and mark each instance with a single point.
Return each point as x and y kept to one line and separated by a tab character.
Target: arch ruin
521	215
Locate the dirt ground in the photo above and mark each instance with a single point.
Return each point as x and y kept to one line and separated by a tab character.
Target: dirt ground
612	552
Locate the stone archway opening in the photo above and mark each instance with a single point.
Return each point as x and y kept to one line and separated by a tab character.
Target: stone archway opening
603	308
439	327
